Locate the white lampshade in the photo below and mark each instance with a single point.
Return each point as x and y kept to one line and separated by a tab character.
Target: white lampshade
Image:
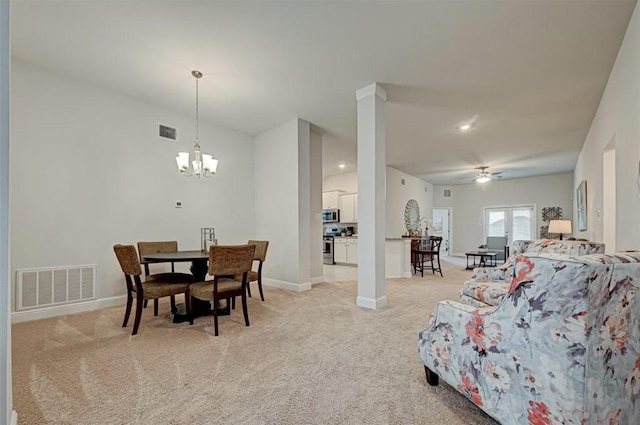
210	163
182	160
562	227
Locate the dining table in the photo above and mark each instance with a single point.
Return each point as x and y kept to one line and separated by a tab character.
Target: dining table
199	268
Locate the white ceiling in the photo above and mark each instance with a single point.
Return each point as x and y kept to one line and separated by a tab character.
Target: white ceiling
531	72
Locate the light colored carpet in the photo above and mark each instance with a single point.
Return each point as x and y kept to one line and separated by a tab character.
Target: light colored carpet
307	358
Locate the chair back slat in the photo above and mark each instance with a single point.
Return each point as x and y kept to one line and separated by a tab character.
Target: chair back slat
128	259
230	259
261	249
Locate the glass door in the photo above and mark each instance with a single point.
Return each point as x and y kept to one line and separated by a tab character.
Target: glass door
516	223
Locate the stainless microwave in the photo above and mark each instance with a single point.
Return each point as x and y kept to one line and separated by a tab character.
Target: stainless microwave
331	216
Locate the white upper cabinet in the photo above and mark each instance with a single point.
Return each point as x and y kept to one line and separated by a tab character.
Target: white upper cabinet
330	199
348	205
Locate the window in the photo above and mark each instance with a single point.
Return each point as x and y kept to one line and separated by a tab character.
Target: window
517	223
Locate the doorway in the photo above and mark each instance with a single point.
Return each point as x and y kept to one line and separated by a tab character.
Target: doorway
516	223
441	226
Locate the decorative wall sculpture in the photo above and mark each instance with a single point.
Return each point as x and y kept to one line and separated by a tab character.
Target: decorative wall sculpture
548	214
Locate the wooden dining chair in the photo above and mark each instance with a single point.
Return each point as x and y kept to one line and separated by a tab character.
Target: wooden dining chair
161	285
256	275
429	254
226	263
145	248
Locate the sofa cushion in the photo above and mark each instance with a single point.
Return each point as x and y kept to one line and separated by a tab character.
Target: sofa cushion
488	292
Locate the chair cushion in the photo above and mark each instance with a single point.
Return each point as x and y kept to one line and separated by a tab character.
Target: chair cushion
204	290
169	278
488	292
154	290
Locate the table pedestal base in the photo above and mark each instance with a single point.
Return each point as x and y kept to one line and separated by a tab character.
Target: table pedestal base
200	308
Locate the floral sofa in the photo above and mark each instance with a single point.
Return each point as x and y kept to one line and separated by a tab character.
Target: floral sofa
488	285
563	347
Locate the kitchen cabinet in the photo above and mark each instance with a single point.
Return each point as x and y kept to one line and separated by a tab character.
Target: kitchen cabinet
340	250
345	250
352	251
330	199
348	205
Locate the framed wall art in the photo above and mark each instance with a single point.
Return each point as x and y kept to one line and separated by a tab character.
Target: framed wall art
581	201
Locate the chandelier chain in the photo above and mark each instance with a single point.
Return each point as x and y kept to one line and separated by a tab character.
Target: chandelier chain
197	116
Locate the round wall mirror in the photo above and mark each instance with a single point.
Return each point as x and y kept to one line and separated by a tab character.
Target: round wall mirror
412	217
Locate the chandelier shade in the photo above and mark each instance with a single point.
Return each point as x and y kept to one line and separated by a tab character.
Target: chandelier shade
203	165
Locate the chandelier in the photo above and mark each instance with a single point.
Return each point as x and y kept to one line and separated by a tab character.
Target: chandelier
203	165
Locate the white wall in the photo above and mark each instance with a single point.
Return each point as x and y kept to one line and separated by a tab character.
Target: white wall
618	116
397	196
468	201
6	399
348	182
89	171
285	183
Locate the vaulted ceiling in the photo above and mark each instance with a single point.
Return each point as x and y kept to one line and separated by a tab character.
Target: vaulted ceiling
528	74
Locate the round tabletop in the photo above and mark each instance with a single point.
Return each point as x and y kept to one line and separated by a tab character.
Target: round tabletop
177	256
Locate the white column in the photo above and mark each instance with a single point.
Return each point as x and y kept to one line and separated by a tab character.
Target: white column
7	415
315	236
288	201
371	197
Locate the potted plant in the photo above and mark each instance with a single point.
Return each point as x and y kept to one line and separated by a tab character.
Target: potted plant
483	248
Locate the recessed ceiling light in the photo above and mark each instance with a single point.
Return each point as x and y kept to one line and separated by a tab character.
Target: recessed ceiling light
465	127
341	165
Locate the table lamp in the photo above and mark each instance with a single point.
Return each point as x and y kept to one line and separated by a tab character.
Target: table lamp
560	226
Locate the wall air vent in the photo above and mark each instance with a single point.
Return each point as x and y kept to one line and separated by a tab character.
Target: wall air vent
447	193
168	132
50	286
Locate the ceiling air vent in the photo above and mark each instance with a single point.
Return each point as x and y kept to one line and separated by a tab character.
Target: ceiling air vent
447	193
168	132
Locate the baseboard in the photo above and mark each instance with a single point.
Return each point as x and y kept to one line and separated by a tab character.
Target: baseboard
289	286
403	275
14	418
61	310
371	302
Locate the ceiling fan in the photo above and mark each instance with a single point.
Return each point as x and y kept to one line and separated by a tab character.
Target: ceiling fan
484	176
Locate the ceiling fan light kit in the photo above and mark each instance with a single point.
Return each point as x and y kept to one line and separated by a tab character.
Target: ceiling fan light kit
483	176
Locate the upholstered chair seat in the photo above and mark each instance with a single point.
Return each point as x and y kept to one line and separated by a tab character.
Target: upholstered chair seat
166	287
204	290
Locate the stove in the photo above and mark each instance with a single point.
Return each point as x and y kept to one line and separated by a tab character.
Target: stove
327	250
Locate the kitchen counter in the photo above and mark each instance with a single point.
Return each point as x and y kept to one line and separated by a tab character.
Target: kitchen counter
397	254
